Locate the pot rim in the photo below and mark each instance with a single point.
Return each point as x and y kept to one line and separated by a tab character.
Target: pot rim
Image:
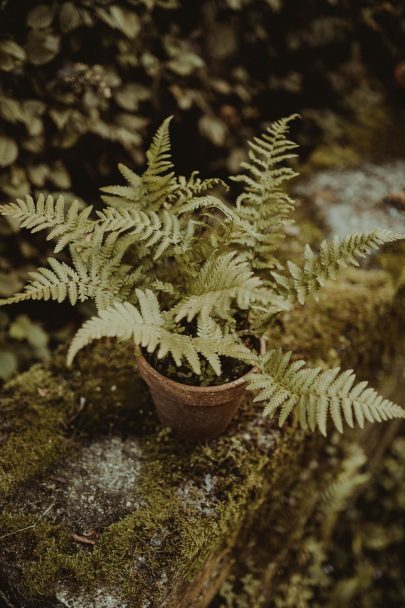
202	389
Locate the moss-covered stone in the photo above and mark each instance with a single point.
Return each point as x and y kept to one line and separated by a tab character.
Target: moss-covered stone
360	303
113	505
34	410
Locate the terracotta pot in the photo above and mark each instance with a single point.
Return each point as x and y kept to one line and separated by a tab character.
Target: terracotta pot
194	412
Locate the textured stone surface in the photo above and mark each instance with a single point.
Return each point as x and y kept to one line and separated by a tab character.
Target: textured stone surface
356	200
102	508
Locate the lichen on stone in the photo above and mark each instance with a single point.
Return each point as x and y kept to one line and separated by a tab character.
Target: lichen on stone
165	506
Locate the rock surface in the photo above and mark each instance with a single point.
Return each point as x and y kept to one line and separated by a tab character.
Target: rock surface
359	199
102	508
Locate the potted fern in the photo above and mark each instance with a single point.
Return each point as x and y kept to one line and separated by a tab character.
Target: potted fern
194	282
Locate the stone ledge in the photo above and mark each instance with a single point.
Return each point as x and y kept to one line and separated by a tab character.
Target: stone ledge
124	515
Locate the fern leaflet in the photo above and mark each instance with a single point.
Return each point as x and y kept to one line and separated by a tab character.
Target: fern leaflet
334	255
221	279
67	222
158	231
317	394
263	202
155	186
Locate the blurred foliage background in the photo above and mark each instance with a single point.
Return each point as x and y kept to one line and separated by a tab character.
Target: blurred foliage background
357	563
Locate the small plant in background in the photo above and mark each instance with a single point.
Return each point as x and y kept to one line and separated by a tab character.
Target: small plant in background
20	340
195	281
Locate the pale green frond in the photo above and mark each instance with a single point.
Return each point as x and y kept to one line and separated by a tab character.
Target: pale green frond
265	309
132	196
239	224
211	343
66	222
206	202
58	282
222	279
159	177
159	154
153	230
351	476
334	255
210	334
155	186
194	185
98	273
319	395
263	203
143	325
163	286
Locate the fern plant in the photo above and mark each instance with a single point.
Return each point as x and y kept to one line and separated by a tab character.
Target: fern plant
190	278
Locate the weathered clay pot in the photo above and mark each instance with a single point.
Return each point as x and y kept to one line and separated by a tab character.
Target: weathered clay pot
194	412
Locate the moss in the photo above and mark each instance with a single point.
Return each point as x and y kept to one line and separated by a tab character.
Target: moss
173	505
145	537
193	500
362	566
368	131
34	411
347	325
45	408
335	155
392	260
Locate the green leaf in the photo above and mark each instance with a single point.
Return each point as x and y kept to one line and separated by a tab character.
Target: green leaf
213	129
121	19
24	329
70	17
10	54
10	109
8	151
41	47
8	364
40	17
129	95
126	21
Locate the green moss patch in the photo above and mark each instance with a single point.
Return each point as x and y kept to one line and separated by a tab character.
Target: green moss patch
165	506
347	325
34	410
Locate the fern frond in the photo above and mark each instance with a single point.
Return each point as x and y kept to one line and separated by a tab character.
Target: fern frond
155	186
263	312
148	328
144	325
58	282
126	197
157	231
194	185
98	273
226	220
223	278
67	223
159	177
265	154
317	395
263	203
159	153
206	202
209	332
163	286
352	476
334	255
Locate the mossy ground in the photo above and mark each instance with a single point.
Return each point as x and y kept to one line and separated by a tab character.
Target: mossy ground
192	500
356	561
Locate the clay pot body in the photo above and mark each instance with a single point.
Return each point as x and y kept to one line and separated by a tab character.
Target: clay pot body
194	412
